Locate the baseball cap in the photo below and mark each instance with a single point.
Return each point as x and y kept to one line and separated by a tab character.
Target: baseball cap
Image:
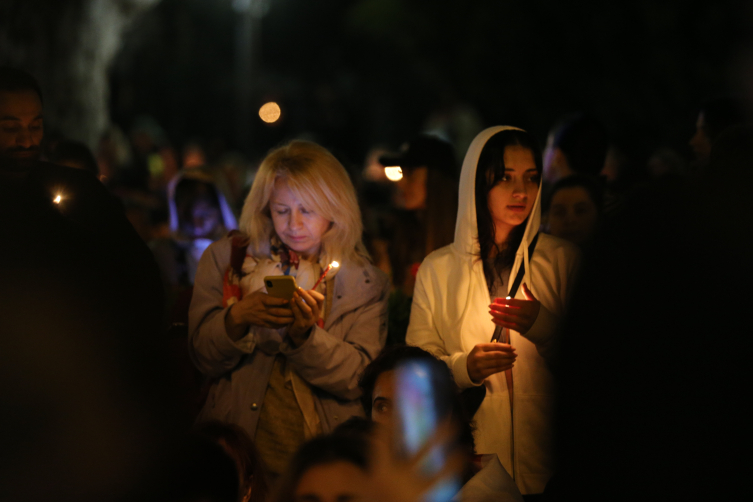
423	150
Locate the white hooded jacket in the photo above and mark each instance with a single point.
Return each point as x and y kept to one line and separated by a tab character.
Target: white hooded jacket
450	315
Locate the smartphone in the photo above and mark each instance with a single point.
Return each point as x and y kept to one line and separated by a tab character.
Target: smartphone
280	286
420	407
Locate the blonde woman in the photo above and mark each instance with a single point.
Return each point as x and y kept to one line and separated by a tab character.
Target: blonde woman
287	371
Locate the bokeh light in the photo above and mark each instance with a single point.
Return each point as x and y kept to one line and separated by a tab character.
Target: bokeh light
270	112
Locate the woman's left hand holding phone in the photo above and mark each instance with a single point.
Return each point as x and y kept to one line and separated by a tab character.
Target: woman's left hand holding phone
257	309
307	308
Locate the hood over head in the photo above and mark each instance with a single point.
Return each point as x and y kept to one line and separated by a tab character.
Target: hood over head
466	227
228	218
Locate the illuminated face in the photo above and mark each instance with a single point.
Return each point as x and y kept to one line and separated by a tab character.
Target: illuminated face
21	128
299	227
383	397
511	199
337	481
573	215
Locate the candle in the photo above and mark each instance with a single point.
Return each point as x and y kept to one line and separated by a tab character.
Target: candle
321	277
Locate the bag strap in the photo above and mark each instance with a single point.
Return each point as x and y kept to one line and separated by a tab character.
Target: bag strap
516	283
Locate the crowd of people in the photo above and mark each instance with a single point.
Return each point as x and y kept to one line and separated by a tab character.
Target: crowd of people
471	331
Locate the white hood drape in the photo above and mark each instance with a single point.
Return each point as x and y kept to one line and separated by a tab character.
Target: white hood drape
450	316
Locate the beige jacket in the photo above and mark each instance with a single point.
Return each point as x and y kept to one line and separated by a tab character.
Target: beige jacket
330	361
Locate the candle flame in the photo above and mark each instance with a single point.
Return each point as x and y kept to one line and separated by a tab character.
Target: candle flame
508	298
334	264
57	199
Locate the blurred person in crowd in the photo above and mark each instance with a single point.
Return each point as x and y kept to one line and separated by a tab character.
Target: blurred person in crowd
113	153
234	169
331	468
375	195
665	163
193	155
426	199
287	370
624	413
76	155
576	145
73	195
497	245
199	215
170	166
715	116
146	137
252	477
82	369
620	176
483	478
22	127
576	204
454	121
199	469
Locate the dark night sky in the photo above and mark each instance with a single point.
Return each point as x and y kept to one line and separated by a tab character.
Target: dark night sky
355	73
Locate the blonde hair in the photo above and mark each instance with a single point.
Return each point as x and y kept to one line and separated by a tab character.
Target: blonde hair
318	179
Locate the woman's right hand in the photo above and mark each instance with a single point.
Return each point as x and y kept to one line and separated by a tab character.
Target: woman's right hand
257	309
486	359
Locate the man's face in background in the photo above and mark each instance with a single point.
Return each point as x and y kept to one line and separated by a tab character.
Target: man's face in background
21	129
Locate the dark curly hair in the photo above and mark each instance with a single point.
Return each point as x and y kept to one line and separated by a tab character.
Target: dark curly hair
489	172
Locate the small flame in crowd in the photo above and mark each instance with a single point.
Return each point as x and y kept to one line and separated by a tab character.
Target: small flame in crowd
324	274
393	173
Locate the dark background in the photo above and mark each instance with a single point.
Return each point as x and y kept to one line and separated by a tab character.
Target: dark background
356	73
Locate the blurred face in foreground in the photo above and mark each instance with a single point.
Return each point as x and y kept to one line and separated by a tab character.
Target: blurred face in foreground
298	226
383	398
21	128
573	215
337	481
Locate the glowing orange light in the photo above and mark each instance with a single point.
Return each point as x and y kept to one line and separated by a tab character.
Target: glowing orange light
57	199
270	112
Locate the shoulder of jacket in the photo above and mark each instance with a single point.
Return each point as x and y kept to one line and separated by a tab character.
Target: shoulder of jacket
441	256
366	277
439	265
551	244
219	250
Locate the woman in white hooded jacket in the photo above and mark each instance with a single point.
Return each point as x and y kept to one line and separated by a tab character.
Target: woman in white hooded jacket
498	219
